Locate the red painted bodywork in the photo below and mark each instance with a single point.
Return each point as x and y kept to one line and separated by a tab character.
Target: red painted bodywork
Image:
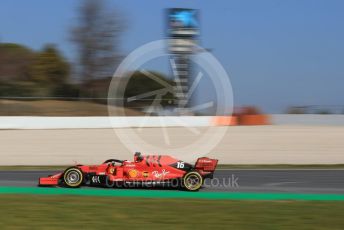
150	168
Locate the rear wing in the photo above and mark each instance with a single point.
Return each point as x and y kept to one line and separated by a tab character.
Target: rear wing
206	164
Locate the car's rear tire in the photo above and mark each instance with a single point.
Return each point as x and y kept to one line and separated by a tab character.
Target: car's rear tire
192	181
73	177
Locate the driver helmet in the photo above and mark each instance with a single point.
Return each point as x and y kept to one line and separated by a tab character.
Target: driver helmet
138	157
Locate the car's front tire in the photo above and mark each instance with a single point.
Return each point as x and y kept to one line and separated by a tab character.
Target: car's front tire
73	177
192	181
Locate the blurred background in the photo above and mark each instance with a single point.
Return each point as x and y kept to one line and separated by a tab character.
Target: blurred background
58	58
283	58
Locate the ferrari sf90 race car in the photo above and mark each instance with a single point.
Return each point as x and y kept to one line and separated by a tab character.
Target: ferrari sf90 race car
144	170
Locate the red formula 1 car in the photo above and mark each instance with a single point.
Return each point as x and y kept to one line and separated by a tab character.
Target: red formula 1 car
144	170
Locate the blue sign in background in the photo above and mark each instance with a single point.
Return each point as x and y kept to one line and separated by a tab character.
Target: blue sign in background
183	18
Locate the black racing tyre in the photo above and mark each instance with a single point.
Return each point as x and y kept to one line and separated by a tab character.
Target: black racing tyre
192	181
73	177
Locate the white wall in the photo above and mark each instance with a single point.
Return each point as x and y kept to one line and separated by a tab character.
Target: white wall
307	119
23	122
100	122
272	144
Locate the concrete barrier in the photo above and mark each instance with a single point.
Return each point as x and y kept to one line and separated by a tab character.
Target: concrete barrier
18	122
111	122
307	119
90	140
98	122
281	144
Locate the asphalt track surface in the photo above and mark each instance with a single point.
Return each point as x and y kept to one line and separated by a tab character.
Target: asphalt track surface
323	181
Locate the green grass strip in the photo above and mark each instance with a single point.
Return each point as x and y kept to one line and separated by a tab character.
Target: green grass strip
171	194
